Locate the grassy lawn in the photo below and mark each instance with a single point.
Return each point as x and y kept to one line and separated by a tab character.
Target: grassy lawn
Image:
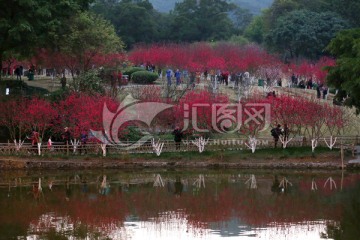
236	155
19	88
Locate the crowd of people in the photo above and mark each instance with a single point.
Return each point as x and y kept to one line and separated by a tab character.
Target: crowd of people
321	89
66	137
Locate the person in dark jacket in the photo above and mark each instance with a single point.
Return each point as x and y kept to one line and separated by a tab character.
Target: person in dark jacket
178	135
276	132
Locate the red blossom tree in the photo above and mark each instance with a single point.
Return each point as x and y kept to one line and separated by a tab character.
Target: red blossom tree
81	112
306	117
40	115
14	118
196	107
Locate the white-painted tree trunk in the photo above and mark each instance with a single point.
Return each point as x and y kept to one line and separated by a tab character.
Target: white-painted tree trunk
252	144
200	143
50	185
39	185
158	181
39	148
103	183
103	148
331	182
157	147
251	182
331	143
314	143
313	185
284	142
19	144
200	181
75	144
284	184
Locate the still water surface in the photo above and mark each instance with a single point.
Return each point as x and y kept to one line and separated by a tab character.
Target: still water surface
179	205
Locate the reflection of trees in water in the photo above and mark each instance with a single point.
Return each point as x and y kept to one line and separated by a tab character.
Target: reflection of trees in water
349	226
90	213
255	207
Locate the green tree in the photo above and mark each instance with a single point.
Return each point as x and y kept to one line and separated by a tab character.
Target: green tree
345	75
278	9
201	20
255	30
88	35
348	9
135	21
304	33
242	18
25	25
238	40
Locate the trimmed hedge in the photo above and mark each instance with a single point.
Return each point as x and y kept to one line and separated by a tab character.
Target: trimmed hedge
129	71
144	77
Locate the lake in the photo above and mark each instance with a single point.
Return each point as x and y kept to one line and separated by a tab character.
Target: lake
179	204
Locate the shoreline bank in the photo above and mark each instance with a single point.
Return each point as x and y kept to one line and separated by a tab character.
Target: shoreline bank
293	158
30	164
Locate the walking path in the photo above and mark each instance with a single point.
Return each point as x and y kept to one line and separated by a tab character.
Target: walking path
45	82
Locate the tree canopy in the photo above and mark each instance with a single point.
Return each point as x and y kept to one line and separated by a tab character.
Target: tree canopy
304	33
345	75
26	25
88	35
201	20
134	21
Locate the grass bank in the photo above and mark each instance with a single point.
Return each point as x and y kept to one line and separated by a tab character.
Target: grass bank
267	154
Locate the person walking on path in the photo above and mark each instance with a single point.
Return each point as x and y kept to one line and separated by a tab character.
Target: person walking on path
35	139
325	92
286	132
178	76
18	72
318	90
168	76
83	138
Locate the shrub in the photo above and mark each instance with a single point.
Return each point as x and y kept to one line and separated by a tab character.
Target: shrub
132	133
129	71
88	82
144	77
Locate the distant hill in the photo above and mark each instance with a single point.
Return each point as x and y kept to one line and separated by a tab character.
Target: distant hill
255	6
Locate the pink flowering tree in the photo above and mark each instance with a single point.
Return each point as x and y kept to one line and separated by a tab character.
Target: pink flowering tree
13	117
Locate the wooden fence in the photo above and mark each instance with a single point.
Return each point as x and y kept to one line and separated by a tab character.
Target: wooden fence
169	146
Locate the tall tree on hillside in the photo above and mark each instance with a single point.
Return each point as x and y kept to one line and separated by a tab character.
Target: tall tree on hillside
134	21
201	20
25	25
304	33
348	9
278	9
242	18
345	75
